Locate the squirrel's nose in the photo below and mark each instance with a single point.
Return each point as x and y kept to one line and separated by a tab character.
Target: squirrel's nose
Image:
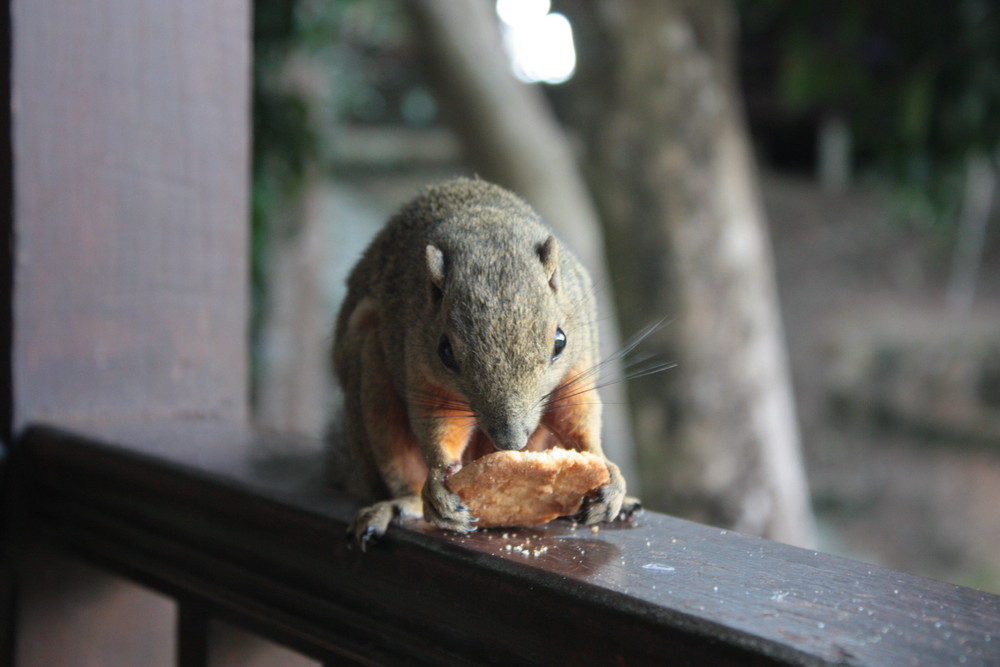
509	436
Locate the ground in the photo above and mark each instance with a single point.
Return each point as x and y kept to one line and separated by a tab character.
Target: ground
886	488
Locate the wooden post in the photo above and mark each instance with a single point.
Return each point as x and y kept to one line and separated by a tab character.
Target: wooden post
6	306
130	211
124	296
192	635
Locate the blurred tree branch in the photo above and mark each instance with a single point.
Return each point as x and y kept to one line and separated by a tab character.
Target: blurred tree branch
980	185
670	164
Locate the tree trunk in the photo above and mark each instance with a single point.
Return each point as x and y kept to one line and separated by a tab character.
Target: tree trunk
717	436
512	138
973	219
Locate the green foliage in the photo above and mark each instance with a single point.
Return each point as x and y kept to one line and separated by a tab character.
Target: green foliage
312	63
919	83
288	139
294	121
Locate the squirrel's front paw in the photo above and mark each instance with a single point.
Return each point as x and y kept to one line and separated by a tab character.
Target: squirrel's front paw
370	523
442	507
609	502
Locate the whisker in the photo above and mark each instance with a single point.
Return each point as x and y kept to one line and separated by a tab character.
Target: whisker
560	399
579	403
633	366
640	336
650	370
438	401
437	395
627	349
438	405
430	417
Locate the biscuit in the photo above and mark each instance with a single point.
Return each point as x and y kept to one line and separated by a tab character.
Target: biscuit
521	488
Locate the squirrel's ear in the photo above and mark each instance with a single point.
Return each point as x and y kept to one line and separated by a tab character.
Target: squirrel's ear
435	266
548	252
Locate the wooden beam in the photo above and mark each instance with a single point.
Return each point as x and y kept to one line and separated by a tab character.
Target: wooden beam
241	523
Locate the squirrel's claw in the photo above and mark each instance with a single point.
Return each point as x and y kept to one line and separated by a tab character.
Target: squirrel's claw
363	536
443	508
370	523
454	517
459	524
631	508
605	505
609	502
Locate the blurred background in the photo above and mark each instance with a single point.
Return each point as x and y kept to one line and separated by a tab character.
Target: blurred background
801	193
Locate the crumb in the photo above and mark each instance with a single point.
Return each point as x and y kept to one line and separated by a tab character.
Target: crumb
595	529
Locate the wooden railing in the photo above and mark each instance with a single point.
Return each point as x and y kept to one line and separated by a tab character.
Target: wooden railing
235	525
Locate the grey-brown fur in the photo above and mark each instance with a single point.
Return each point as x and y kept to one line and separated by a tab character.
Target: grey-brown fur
470	261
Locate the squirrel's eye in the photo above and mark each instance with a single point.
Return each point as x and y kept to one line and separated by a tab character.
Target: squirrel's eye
560	344
447	354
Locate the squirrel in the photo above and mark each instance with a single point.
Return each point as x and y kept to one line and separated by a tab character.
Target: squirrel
467	328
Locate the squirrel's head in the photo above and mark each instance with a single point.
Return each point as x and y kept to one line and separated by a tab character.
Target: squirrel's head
506	331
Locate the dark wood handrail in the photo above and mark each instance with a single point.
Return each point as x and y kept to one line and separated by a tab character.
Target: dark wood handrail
235	524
